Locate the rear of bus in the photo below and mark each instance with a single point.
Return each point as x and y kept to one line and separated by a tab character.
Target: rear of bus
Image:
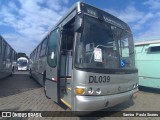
104	72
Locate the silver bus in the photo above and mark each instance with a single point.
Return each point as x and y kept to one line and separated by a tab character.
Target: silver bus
7	57
87	60
22	63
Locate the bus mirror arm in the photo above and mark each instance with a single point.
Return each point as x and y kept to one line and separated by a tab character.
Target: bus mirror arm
63	30
78	24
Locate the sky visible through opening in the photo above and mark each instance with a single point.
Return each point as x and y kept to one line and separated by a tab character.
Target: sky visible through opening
23	23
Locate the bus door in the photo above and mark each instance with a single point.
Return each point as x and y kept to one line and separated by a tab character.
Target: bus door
66	70
51	81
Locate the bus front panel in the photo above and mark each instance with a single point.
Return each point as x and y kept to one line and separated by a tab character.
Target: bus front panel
102	90
104	71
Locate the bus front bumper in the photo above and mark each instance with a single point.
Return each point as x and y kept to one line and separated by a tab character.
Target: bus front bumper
93	103
22	68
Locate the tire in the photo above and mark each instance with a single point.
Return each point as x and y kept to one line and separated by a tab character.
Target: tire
30	74
13	69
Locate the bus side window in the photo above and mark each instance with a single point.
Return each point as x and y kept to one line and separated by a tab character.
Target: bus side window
52	48
43	49
8	52
38	51
35	53
12	55
154	49
4	51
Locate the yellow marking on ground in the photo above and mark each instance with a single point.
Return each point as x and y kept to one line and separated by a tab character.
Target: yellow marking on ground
66	103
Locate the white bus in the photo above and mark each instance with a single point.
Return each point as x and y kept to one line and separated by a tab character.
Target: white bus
7	57
22	63
87	60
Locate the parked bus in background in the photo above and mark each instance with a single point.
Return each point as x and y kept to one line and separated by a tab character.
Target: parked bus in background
87	60
22	63
7	57
148	63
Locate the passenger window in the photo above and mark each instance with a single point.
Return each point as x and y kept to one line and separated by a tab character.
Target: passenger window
12	57
8	52
44	46
38	51
4	51
155	49
15	56
35	54
31	56
52	48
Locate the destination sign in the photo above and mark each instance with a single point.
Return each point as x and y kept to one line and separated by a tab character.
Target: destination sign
102	15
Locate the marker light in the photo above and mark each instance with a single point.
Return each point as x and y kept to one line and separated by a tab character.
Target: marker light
79	91
90	90
98	91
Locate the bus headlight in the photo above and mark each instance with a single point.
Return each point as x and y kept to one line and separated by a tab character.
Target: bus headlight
79	91
90	90
98	91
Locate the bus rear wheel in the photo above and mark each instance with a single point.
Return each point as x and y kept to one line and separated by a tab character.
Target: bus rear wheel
13	70
30	73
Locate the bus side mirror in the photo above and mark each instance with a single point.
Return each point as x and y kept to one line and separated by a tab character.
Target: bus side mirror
78	24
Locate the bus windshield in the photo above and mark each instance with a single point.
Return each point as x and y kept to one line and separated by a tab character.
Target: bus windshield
22	63
103	45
